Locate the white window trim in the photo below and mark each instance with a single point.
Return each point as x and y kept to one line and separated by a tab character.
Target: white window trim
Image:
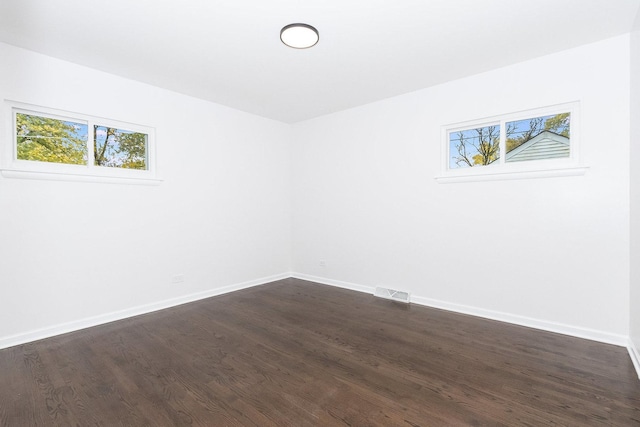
501	170
12	167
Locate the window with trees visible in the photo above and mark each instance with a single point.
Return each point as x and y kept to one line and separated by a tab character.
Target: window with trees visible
52	141
119	148
541	138
47	139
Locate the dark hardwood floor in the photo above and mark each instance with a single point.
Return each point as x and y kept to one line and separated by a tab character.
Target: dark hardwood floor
294	353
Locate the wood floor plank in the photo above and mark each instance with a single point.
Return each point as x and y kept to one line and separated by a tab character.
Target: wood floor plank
295	353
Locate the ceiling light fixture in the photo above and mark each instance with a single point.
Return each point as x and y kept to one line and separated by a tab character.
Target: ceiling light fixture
299	36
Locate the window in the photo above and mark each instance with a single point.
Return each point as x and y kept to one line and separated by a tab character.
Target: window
539	142
538	138
119	148
48	139
474	147
52	144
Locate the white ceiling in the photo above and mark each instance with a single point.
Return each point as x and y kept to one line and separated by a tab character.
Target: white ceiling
229	51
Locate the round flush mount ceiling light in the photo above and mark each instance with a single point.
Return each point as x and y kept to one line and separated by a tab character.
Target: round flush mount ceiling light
299	36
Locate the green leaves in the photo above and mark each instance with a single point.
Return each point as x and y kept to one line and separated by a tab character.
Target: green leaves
50	140
119	148
47	139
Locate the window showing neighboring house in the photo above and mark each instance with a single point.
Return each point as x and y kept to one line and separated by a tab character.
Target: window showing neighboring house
538	138
51	144
513	145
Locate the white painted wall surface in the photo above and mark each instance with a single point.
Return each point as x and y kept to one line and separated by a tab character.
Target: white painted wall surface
73	254
634	332
550	252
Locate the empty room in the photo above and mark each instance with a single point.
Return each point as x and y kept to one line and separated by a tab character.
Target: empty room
319	213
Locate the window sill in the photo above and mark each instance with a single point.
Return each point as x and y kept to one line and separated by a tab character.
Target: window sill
49	176
505	175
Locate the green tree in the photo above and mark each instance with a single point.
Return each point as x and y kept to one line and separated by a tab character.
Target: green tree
100	153
119	148
134	147
50	140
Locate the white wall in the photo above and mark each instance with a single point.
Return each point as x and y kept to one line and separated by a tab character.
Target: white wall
635	198
552	253
73	254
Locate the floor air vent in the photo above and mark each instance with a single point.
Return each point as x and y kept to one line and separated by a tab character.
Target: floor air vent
392	294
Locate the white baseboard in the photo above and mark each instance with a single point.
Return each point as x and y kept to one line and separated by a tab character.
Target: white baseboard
574	331
545	325
336	283
88	322
634	353
579	332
